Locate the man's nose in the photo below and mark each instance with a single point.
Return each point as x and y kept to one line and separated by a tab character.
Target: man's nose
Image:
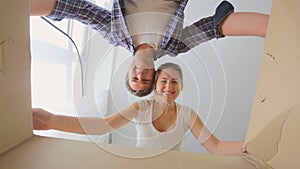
140	75
141	71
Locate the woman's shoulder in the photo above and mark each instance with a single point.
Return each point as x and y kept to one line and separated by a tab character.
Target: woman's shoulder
183	107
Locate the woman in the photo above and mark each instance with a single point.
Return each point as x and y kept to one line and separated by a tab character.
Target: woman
160	122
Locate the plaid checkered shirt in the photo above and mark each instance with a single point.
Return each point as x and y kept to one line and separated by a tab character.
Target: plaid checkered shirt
112	26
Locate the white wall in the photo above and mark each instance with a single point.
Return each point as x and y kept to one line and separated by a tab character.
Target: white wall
240	57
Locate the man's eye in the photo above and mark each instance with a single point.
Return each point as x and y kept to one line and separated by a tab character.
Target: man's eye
146	82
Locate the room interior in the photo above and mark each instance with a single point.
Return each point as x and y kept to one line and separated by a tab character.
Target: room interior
219	76
271	139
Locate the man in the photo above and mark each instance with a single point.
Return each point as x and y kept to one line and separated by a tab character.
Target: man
150	29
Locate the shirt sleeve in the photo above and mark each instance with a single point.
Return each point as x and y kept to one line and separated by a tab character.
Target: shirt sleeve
197	33
205	29
85	12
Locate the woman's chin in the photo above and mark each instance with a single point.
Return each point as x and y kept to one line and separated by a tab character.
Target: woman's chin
168	101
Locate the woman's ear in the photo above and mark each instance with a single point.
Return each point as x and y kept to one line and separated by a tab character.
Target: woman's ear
154	86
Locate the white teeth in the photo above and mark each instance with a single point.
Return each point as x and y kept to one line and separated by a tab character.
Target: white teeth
168	93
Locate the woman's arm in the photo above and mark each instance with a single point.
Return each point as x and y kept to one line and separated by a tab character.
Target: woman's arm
211	143
44	120
215	146
245	24
41	7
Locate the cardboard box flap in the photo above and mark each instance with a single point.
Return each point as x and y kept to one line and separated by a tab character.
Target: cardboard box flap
276	143
15	98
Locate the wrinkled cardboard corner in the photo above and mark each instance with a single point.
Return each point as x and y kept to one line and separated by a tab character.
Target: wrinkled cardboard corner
272	135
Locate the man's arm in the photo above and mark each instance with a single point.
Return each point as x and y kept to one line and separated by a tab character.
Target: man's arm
205	29
88	13
41	7
245	24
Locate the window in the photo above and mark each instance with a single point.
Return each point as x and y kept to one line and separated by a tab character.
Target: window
54	70
54	60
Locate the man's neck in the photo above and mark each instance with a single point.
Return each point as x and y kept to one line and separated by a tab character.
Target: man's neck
143	46
145	50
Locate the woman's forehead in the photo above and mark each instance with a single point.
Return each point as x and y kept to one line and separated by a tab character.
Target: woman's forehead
170	72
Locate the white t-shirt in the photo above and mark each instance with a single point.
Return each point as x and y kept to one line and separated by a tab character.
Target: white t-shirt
149	137
147	20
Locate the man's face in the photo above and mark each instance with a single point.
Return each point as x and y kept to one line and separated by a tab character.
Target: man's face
140	78
140	74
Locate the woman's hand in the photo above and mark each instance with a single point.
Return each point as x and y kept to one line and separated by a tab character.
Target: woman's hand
41	119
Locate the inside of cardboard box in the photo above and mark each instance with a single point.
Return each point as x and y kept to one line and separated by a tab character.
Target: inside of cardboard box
272	137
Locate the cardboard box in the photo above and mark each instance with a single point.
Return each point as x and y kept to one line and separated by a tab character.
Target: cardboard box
272	139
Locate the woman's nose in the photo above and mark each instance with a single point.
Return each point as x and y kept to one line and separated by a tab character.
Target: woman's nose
169	86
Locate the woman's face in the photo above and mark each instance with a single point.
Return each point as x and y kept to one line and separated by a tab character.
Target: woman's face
168	85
